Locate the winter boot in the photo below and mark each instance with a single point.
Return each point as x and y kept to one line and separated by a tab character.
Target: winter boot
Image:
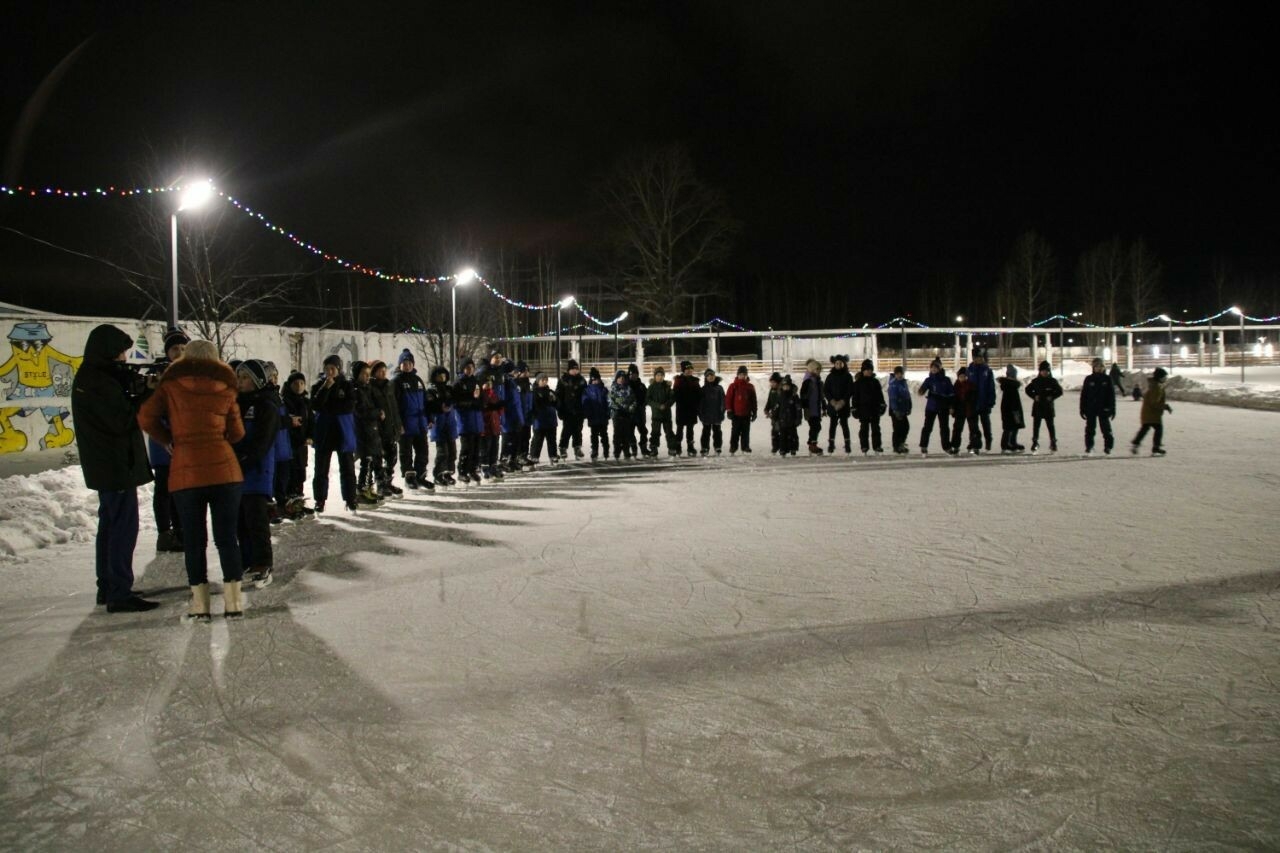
831	447
232	606
411	479
814	449
168	542
199	609
260	576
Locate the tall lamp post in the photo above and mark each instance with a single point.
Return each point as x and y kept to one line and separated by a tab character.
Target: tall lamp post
193	196
560	306
461	279
617	324
1240	314
1169	320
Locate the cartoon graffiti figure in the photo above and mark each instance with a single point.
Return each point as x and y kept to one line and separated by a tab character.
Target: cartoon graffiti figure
34	360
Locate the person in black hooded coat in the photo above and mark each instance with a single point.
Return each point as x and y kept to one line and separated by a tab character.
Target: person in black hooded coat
113	457
838	390
868	406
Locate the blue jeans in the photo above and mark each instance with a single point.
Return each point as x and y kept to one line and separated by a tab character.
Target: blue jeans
117	536
223	503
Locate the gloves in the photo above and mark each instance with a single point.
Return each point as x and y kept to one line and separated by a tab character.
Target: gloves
1168	408
753	417
1083	416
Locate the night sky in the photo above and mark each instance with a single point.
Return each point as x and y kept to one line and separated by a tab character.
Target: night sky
867	146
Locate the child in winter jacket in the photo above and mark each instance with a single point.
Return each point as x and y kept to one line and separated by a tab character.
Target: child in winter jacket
965	413
442	426
334	404
641	394
711	412
984	397
1098	407
771	409
686	395
298	422
811	400
595	406
368	436
740	403
466	402
411	403
868	406
659	398
899	409
390	428
787	416
256	452
493	404
939	396
1153	409
545	421
1010	411
838	391
623	408
1043	390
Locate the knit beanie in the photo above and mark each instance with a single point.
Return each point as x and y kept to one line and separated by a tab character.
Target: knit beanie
201	350
775	377
255	369
173	338
595	373
405	355
1046	366
335	360
742	370
867	365
1011	372
295	376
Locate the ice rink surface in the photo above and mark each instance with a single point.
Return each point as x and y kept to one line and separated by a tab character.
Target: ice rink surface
1049	652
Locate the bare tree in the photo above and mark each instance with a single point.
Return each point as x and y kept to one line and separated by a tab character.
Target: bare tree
1100	275
1029	276
668	230
1143	280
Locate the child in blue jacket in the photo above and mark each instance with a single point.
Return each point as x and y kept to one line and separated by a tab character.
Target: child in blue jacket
545	420
939	396
595	406
899	409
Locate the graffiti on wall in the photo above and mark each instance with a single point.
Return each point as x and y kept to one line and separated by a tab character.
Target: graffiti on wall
36	370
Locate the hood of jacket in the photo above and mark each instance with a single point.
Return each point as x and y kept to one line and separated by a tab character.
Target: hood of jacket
105	343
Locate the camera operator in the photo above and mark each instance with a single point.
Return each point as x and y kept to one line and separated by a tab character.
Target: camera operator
168	522
105	396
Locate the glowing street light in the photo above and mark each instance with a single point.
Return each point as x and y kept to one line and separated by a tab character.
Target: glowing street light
1234	310
461	279
193	196
560	306
1169	320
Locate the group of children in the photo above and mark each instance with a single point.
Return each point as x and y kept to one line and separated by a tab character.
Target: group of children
950	406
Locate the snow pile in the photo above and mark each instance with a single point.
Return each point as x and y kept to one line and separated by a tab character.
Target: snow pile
40	510
1222	389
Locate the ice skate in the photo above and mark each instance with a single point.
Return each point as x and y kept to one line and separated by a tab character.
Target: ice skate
577	452
814	449
1157	451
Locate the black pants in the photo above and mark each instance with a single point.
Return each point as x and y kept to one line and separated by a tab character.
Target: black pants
684	432
298	470
659	426
815	427
872	426
222	504
113	548
1035	429
842	418
789	439
371	473
489	450
413	457
280	484
944	431
511	447
1091	424
254	530
1157	429
346	472
642	431
539	436
712	432
572	432
775	436
901	428
740	433
446	457
468	453
624	437
599	439
162	505
984	419
1009	439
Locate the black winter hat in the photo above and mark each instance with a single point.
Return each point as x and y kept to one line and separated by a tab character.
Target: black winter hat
786	380
468	361
659	370
595	373
633	369
621	374
1159	373
964	371
685	365
775	377
708	372
356	367
742	370
573	364
937	362
173	338
439	371
839	357
1011	371
335	360
867	365
1046	366
521	367
979	352
255	370
295	376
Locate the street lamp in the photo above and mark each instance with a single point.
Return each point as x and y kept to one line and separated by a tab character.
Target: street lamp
193	196
1169	320
617	324
560	306
1240	314
461	279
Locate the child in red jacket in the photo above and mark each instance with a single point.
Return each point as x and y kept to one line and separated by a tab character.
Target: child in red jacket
492	406
740	403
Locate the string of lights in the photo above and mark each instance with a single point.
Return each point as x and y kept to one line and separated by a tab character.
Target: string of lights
112	191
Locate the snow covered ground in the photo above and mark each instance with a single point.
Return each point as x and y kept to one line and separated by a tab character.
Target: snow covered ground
729	654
